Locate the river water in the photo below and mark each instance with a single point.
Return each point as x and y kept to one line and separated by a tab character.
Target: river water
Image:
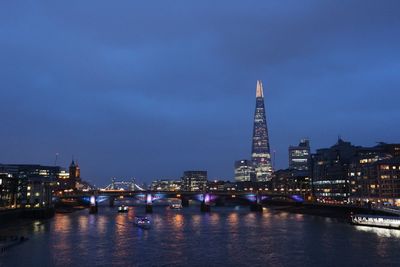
228	236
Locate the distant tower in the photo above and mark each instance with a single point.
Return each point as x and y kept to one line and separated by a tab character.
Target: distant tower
260	152
74	172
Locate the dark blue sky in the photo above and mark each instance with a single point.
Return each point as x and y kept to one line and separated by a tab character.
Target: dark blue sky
150	90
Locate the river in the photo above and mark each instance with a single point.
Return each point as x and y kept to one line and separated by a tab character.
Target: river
227	236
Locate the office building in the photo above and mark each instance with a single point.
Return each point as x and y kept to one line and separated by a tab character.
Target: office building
194	181
299	156
260	152
244	171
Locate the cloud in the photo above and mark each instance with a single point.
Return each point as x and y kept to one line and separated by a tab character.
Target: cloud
152	89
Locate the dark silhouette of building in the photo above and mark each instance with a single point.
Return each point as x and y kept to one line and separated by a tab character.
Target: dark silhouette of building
260	152
74	172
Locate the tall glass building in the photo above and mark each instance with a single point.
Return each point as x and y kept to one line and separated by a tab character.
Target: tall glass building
299	155
260	152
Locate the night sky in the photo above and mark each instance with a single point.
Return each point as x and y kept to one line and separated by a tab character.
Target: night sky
151	90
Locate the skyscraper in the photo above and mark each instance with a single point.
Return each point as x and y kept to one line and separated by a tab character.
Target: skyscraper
260	152
299	155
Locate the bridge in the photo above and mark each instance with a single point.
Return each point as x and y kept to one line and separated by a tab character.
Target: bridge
255	199
123	185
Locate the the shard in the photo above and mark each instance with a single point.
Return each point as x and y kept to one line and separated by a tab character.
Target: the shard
260	152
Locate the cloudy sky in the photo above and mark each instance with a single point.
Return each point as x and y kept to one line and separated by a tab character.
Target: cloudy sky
150	90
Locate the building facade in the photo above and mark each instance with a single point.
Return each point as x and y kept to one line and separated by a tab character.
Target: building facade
330	181
291	181
346	173
166	185
260	152
375	175
27	186
299	156
244	171
194	181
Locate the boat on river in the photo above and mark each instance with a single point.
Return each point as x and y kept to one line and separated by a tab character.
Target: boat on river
122	208
376	221
175	206
142	222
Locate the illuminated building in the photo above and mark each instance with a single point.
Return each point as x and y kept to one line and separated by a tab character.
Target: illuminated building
166	185
27	186
244	171
220	185
291	181
194	181
375	175
299	155
260	152
8	190
329	171
345	172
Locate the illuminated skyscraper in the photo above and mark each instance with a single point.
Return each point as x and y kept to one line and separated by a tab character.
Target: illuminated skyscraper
260	152
299	155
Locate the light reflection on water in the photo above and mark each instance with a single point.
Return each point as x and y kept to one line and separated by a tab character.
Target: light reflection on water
382	232
228	236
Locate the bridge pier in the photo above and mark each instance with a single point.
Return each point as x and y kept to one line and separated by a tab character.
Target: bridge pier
257	207
93	205
185	202
220	202
111	201
149	203
205	207
205	204
149	208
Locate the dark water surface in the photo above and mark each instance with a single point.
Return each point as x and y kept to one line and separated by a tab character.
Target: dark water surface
228	236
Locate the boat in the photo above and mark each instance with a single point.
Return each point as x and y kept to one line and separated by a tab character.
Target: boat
142	222
175	206
122	208
376	220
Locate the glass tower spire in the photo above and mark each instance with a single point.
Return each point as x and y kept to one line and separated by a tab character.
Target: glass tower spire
260	152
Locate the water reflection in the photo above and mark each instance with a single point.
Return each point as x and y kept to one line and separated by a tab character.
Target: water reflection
83	223
225	237
178	221
381	232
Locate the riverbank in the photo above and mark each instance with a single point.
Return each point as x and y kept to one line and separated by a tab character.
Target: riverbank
14	214
331	211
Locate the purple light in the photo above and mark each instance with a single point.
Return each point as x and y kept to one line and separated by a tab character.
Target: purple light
297	198
207	198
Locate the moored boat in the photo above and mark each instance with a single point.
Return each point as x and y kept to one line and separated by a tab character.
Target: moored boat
376	221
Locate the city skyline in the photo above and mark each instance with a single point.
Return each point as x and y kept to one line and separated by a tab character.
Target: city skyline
150	102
